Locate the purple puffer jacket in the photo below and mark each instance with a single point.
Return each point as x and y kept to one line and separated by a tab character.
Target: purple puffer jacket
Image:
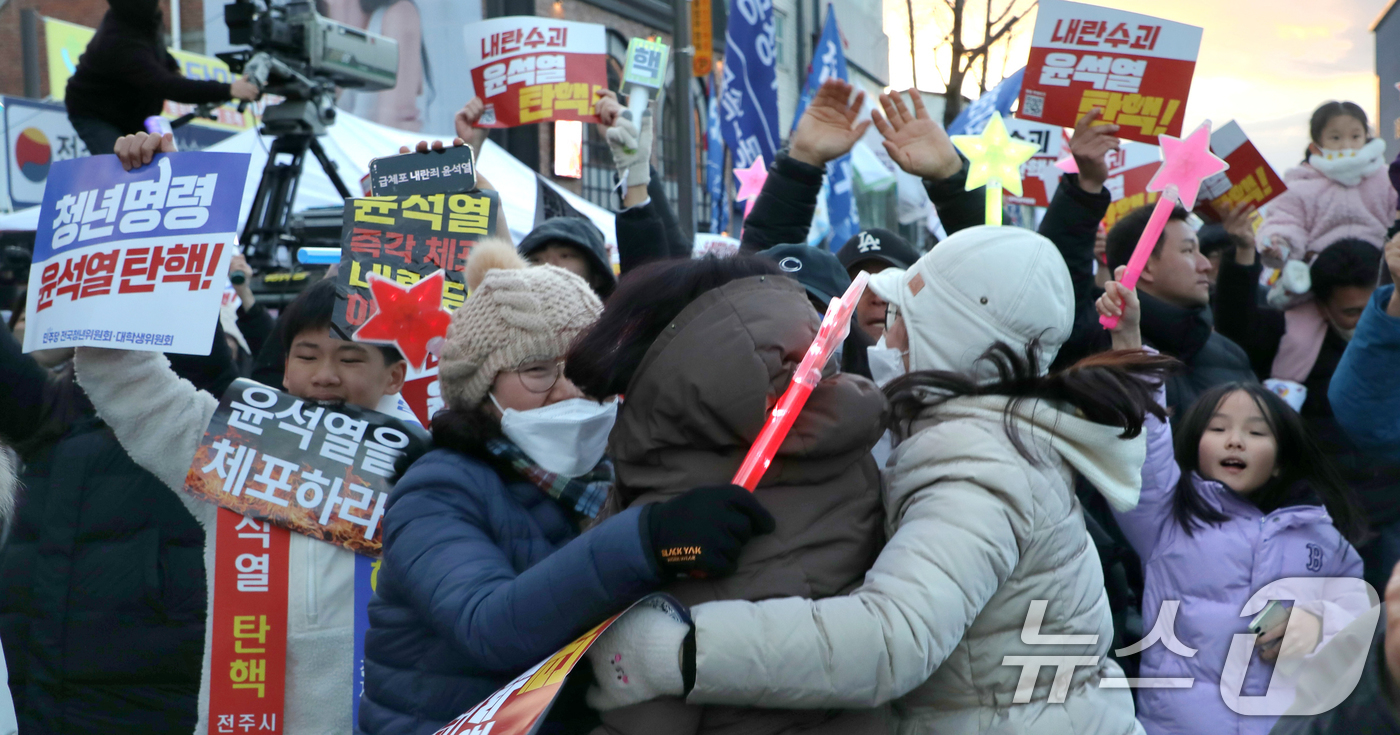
1213	574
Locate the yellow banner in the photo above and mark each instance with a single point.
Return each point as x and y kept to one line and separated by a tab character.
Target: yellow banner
67	41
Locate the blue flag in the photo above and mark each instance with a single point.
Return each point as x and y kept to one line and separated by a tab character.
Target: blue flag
829	62
974	117
714	163
749	97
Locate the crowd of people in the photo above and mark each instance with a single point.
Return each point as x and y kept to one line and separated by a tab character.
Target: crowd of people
985	480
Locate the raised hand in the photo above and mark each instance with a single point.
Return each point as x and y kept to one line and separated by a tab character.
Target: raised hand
1121	302
914	141
465	124
828	128
1237	222
1089	144
137	150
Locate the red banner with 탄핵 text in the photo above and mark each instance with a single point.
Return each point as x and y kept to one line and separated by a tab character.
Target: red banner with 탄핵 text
248	650
1136	68
530	70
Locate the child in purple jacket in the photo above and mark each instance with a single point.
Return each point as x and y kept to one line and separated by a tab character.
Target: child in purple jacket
1244	500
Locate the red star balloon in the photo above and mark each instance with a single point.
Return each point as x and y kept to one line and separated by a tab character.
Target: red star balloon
411	319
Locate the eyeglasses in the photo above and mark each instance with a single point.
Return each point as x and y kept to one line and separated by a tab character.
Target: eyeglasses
891	314
539	376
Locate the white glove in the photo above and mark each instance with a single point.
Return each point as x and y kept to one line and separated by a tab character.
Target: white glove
637	659
631	149
1292	283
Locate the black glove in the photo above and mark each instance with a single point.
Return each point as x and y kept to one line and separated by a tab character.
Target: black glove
702	532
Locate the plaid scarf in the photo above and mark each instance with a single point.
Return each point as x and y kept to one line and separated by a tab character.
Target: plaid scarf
584	494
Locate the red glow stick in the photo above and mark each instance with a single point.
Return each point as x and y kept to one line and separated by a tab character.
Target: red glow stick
835	326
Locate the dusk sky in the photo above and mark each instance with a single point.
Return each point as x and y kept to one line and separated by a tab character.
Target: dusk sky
1265	63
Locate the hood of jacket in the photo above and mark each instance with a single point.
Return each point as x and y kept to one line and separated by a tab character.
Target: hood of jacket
703	391
9	484
1112	464
580	233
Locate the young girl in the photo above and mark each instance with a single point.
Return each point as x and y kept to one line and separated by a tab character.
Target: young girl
1341	190
1245	499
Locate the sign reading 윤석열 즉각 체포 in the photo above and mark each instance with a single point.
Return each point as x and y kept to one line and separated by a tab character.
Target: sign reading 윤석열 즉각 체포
134	259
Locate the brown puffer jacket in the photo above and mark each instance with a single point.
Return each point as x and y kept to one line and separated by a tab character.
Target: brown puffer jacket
698	401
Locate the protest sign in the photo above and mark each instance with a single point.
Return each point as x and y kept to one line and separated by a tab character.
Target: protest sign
1039	176
405	239
529	69
248	649
134	260
1249	180
320	471
1135	67
519	708
1129	169
451	170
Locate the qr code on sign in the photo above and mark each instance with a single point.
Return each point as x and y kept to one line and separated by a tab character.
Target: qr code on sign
489	116
1034	105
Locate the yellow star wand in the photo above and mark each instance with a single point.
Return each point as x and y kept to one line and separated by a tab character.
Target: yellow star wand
995	160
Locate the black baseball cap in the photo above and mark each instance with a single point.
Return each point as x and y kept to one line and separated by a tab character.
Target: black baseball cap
816	269
877	244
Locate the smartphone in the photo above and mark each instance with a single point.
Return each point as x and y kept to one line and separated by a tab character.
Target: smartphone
1273	615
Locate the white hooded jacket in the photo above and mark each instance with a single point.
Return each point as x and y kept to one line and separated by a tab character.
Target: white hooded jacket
982	540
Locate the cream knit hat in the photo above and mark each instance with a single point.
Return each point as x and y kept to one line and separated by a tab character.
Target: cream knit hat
515	313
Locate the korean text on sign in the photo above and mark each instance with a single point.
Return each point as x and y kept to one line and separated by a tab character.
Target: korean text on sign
134	253
320	471
1249	180
405	239
248	648
530	70
1136	68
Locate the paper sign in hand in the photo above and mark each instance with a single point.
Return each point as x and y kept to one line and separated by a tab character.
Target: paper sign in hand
994	160
1185	163
407	318
835	326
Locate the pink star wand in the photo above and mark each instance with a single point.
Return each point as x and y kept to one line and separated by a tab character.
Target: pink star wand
1185	163
835	326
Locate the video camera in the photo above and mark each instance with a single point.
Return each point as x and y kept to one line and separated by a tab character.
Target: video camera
302	56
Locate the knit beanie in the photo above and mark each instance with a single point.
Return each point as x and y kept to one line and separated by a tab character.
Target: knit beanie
514	314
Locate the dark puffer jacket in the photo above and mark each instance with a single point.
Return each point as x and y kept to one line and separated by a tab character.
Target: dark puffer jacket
102	589
482	578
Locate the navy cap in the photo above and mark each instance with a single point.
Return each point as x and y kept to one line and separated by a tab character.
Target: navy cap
816	269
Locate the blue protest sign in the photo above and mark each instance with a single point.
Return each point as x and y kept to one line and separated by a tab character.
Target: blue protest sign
134	260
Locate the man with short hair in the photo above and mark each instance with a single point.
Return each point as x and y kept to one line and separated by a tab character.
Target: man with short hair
872	251
160	420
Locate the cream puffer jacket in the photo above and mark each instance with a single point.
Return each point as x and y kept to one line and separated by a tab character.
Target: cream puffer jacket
978	534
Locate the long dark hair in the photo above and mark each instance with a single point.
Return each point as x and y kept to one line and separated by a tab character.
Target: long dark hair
1305	474
1324	114
465	432
1113	388
603	359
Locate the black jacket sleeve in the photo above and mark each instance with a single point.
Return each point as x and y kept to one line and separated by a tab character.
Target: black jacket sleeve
782	214
1238	314
256	324
28	392
957	208
155	71
676	244
1072	222
641	236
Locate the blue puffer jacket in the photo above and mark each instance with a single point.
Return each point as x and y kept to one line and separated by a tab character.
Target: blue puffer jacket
480	581
1365	390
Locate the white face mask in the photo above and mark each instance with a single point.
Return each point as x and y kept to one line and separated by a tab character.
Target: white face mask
567	438
886	363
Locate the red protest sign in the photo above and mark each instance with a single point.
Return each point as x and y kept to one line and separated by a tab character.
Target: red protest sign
519	708
248	651
530	70
1130	168
1136	68
1249	180
1039	176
